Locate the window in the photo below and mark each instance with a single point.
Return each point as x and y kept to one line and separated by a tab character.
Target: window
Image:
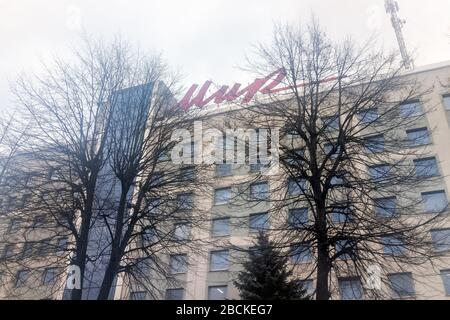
308	285
393	245
435	201
379	173
441	239
328	149
22	277
445	275
43	248
340	214
257	167
185	201
426	167
157	178
418	137
14	225
401	284
221	227
163	156
28	249
187	174
222	196
8	251
294	157
345	249
446	99
374	144
39	221
368	116
175	294
147	236
338	179
331	123
50	275
259	191
385	207
296	187
223	169
298	217
219	260
258	222
137	295
411	109
301	253
181	231
350	289
178	263
61	245
217	292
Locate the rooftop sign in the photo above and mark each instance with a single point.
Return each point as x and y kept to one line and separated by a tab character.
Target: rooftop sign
267	85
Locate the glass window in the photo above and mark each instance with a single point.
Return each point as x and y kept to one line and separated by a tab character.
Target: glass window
308	285
328	149
441	239
8	251
447	101
28	249
175	294
187	174
385	207
418	137
345	249
374	144
380	172
221	227
137	295
445	275
181	231
411	109
259	191
401	284
296	187
222	196
50	275
185	201
338	179
331	123
61	244
258	222
426	167
219	260
368	116
350	289
298	217
435	201
14	225
223	169
340	214
178	263
22	277
217	292
393	245
301	253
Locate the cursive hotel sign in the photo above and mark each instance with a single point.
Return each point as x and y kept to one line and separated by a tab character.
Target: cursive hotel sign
267	85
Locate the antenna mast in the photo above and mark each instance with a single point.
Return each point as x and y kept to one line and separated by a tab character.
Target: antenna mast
392	9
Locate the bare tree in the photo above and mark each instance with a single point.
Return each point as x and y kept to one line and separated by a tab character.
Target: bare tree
349	178
99	141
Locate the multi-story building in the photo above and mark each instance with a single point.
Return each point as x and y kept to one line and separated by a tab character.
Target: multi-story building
232	224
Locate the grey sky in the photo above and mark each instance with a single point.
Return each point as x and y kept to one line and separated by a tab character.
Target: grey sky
207	39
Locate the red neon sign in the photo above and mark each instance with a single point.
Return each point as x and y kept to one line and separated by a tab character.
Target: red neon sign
226	94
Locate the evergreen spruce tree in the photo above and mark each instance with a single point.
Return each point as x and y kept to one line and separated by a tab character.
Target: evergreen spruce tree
266	275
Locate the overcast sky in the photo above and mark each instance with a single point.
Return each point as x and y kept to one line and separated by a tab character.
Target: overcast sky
206	39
